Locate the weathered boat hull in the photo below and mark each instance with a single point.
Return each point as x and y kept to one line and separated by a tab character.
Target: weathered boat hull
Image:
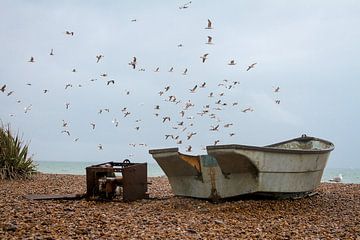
294	166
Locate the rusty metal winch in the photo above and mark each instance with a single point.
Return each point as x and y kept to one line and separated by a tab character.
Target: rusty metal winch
111	179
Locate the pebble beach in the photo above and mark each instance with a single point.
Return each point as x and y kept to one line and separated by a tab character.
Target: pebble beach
333	213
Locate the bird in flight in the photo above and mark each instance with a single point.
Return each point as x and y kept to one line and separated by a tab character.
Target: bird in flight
157	69
68	85
251	66
52	52
66	131
9	93
3	88
209	40
184	6
193	89
232	62
190	135
166	118
277	101
185	71
133	63
189	148
110	81
216	142
247	110
28	108
209	26
67	105
204	57
214	128
31	59
93	125
103	75
69	33
46	90
100	147
277	89
98	57
171	69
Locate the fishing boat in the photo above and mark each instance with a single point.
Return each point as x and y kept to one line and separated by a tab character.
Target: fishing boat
289	168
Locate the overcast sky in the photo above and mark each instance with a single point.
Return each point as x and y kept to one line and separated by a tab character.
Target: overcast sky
309	49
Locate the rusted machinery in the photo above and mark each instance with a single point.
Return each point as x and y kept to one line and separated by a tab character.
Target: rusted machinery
111	179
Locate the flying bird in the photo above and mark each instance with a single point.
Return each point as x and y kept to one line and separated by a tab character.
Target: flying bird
110	81
216	128
209	40
277	101
193	89
2	89
277	89
69	33
204	57
251	66
166	118
171	69
209	25
9	93
103	75
31	59
157	69
28	108
52	52
247	110
189	148
133	63
98	57
66	131
185	71
67	105
232	62
93	125
45	90
190	135
100	147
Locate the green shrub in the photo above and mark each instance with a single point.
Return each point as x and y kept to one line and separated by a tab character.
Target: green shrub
14	160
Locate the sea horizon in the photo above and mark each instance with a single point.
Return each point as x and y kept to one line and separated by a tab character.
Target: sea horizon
350	175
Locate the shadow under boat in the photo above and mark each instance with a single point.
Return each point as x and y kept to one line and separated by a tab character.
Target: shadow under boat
292	167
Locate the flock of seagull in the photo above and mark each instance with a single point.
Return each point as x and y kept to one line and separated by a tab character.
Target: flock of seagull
181	127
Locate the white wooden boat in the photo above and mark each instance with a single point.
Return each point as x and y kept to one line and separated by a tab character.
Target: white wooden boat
286	168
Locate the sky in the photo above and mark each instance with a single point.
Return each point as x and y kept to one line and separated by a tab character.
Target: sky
309	50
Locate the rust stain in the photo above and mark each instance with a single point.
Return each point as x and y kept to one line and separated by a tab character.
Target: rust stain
194	161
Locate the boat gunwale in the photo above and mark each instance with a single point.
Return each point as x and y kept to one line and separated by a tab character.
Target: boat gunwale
272	148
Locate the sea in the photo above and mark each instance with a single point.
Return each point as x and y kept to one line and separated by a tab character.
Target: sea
154	170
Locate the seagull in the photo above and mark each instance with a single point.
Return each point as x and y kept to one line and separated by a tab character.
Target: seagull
133	62
228	125
209	26
166	118
116	122
277	89
52	52
189	148
68	85
3	88
127	113
45	90
251	66
247	110
67	105
74	70
31	59
185	71
337	178
100	147
184	6
190	135
93	125
209	40
69	33
232	62
64	123
216	142
9	93
66	131
157	107
204	57
193	89
216	128
167	88
180	45
76	139
231	134
133	20
110	81
28	108
171	69
103	75
211	94
277	101
169	135
98	57
157	69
